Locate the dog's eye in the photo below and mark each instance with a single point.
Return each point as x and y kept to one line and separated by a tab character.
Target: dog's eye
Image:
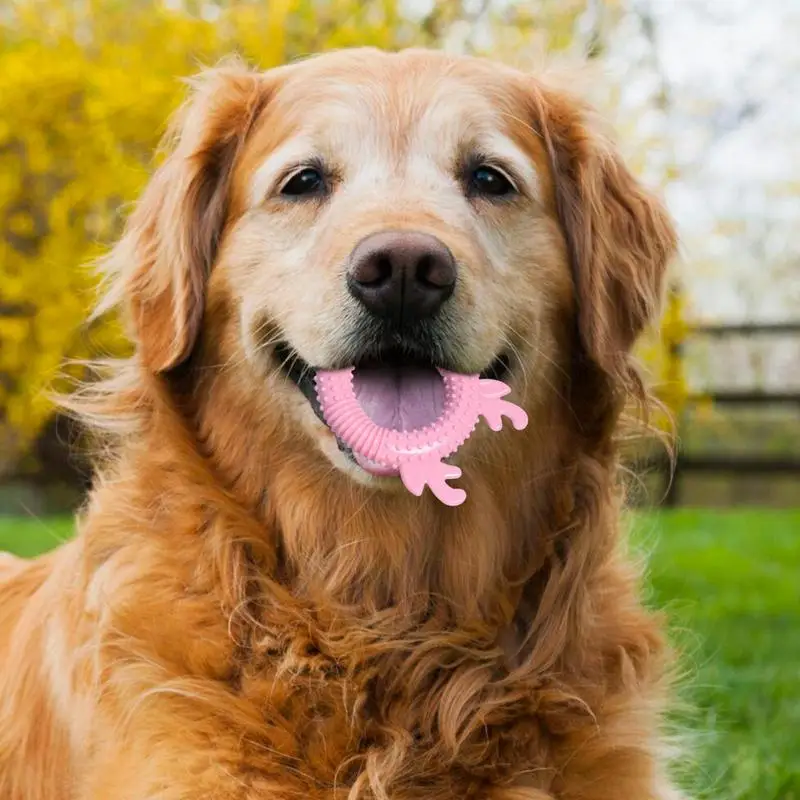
490	182
308	181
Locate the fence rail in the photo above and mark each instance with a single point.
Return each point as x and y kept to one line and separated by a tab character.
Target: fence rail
740	464
747	329
736	397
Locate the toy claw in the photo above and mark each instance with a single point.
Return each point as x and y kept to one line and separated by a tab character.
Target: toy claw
493	410
435	474
492	388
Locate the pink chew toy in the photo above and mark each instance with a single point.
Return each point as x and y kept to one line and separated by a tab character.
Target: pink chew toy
397	436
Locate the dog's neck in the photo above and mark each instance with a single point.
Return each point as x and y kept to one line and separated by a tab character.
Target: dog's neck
367	552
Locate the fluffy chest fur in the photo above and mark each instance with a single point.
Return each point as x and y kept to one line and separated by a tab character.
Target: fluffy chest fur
259	663
406	704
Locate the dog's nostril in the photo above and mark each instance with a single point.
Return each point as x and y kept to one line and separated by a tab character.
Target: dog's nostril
425	270
436	272
384	270
372	272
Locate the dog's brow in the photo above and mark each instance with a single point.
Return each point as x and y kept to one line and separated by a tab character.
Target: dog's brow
294	151
496	144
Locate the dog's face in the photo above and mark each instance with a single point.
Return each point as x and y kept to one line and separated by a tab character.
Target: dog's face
389	208
392	219
395	213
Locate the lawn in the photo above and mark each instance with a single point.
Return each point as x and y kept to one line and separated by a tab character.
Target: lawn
730	583
29	537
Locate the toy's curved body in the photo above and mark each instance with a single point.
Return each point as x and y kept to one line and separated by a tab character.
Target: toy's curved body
416	455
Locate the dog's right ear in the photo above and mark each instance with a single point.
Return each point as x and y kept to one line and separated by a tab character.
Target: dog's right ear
162	262
619	235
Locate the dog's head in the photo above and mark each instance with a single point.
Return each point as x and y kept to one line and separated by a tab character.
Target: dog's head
396	213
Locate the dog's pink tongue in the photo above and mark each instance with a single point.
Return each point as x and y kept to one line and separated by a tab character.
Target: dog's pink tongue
400	398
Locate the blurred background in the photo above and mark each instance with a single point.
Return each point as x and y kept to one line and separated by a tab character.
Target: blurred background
703	94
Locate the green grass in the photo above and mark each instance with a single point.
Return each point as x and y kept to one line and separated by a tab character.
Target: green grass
730	582
30	537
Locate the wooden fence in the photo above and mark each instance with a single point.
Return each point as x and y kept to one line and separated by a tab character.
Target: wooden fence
683	463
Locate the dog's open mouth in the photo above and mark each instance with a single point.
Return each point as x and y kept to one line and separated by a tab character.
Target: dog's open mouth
396	391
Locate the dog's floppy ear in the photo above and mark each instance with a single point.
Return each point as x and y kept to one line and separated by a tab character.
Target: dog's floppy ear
619	236
162	262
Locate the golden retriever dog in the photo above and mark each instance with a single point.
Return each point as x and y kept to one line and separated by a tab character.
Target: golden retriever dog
249	612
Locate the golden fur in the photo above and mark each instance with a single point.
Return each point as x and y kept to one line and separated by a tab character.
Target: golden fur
243	613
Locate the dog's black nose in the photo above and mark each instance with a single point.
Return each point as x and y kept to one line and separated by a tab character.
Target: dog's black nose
402	275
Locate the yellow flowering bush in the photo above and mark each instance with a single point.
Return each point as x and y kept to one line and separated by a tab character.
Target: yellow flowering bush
86	90
660	351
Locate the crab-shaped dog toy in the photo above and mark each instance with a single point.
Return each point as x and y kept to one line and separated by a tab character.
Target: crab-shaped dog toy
416	455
